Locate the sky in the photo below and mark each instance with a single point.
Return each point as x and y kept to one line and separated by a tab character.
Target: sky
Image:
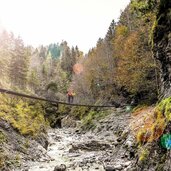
79	22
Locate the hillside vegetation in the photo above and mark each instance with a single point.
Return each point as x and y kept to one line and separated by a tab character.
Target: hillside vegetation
114	71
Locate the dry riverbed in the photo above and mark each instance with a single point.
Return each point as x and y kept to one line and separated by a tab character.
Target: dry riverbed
76	151
103	149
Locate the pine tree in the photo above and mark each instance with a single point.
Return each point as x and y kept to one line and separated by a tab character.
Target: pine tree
66	59
19	65
55	50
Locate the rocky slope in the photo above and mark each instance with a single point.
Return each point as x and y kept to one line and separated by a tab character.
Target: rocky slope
107	147
16	150
111	145
128	153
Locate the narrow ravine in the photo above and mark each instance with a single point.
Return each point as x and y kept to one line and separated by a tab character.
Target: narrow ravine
105	148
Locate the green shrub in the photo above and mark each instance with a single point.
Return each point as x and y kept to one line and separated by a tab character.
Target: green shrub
89	121
164	107
79	112
26	118
144	153
153	130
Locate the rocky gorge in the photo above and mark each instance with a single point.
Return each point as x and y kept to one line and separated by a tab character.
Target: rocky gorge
112	144
58	138
107	147
92	150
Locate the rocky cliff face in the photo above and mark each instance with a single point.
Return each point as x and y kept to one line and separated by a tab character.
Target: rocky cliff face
16	150
162	45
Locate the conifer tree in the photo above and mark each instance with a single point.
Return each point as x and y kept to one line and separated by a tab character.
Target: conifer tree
19	64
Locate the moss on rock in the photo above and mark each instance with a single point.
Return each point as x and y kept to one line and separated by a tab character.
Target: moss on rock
164	108
160	119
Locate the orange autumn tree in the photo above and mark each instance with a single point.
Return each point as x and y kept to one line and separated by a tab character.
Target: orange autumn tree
135	65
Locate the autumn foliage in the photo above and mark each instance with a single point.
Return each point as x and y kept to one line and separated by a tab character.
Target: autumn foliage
121	66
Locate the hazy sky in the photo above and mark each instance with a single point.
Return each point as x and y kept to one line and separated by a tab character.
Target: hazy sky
79	22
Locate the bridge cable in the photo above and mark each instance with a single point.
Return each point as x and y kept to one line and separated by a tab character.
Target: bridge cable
48	100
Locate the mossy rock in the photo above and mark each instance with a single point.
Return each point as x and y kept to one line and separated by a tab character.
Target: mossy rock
160	118
144	155
89	121
164	107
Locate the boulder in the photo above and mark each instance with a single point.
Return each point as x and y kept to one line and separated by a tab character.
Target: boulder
61	167
109	168
42	140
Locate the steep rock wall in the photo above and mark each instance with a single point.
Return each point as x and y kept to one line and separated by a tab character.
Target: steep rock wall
162	45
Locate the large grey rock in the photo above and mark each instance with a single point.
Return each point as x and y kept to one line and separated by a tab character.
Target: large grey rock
42	139
61	167
92	145
109	168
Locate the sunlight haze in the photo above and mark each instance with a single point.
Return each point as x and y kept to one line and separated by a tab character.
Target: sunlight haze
79	22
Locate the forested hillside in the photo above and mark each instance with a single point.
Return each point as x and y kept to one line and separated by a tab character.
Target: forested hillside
119	69
44	71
